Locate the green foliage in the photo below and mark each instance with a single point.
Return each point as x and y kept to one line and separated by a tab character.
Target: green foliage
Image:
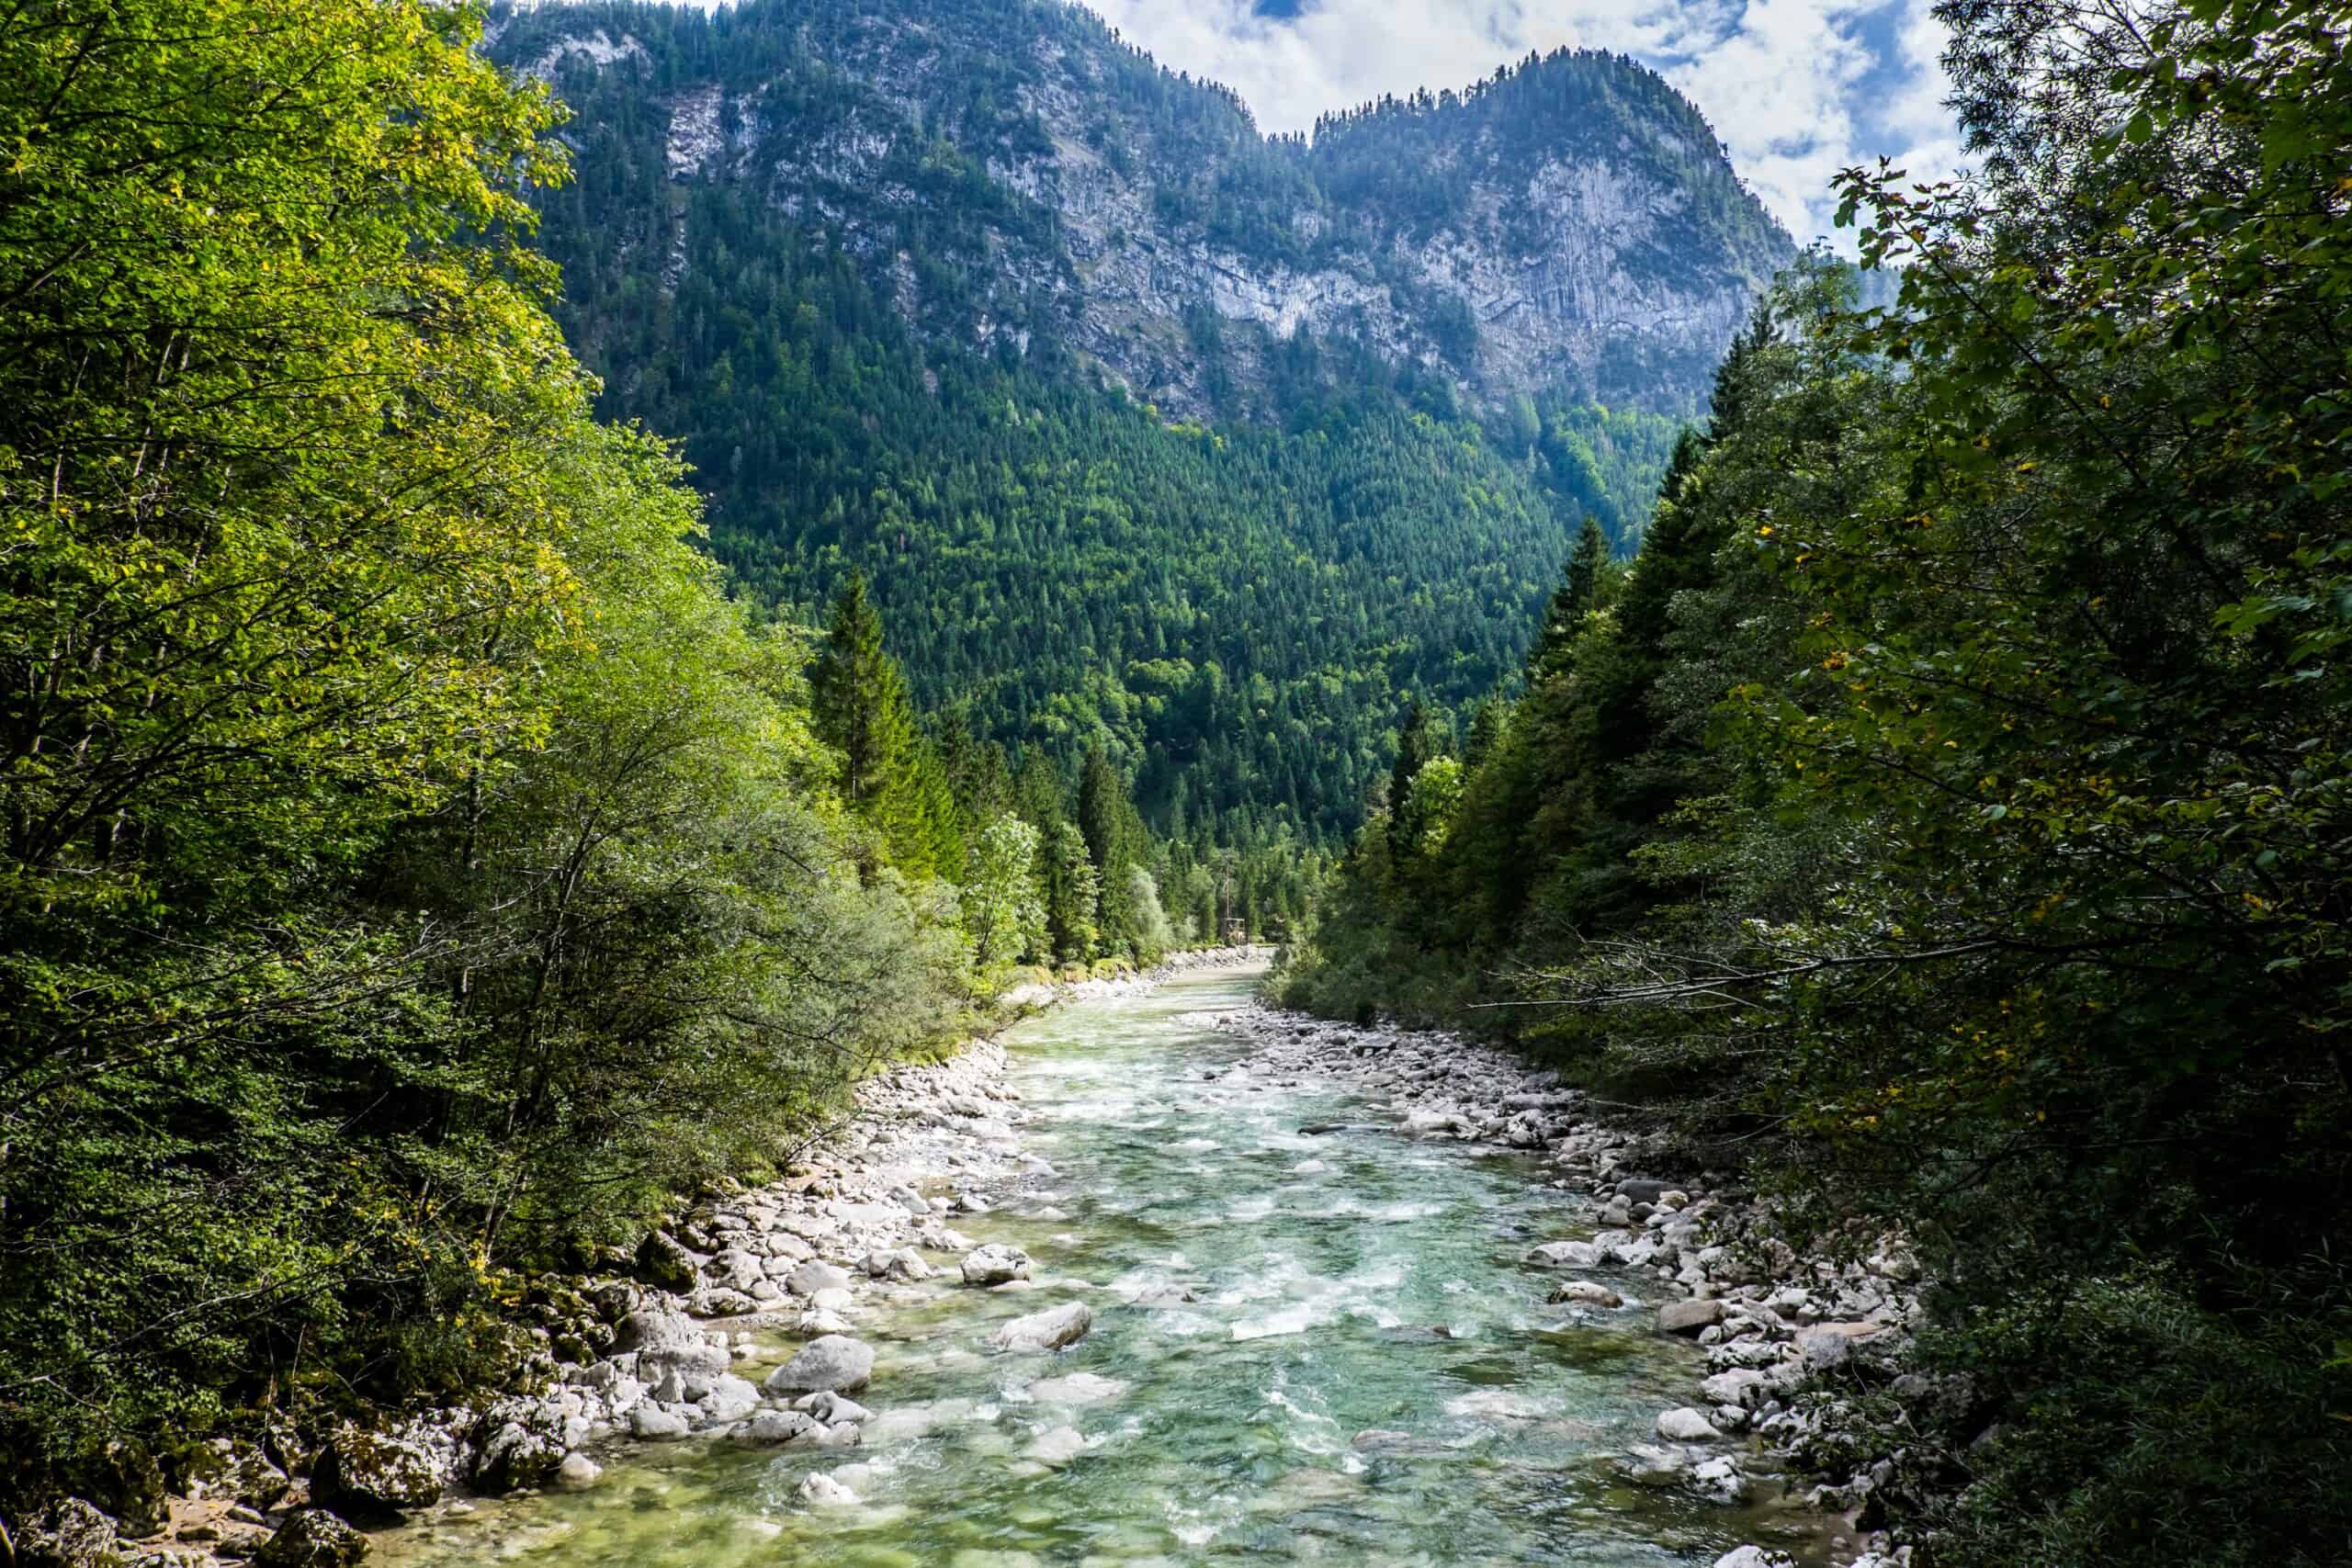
1949	812
414	865
1059	559
888	777
1004	905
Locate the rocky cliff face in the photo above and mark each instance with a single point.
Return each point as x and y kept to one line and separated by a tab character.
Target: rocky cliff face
1015	170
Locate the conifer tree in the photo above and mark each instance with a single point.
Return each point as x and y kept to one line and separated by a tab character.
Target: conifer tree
1414	747
1570	602
1072	894
1115	843
859	698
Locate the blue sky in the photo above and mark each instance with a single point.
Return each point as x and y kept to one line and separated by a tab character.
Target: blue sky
1797	89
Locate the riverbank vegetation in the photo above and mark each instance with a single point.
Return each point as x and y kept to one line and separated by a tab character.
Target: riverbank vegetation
1945	815
417	866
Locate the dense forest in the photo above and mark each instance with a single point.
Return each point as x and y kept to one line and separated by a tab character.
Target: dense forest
417	867
1944	817
1066	564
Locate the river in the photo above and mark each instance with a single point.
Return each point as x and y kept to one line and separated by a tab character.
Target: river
1368	1373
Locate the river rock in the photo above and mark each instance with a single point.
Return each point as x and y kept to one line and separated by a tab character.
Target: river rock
663	1262
810	1278
379	1475
901	1263
1048	1330
994	1265
1743	1386
1686	1426
831	1409
70	1533
1567	1255
1058	1446
1754	1557
779	1426
1079	1388
834	1364
730	1399
1720	1480
738	1269
655	1328
517	1454
578	1472
312	1539
823	1490
649	1423
1689	1317
1588	1293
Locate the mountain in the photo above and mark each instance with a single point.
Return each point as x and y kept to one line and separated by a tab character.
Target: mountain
1570	223
1151	433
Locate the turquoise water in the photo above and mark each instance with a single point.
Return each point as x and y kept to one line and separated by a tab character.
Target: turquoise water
1366	1375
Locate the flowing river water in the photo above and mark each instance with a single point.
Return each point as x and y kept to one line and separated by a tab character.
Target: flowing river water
1368	1373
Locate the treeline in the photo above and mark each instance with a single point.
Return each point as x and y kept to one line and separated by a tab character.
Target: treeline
416	867
1946	816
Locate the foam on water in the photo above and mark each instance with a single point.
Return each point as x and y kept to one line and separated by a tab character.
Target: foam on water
1351	1286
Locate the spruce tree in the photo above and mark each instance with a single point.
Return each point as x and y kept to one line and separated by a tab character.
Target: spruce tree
1114	841
1415	746
859	698
1564	616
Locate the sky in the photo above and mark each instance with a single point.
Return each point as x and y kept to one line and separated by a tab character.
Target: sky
1798	89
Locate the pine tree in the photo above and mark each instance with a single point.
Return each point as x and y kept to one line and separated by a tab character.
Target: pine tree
1073	892
1106	817
1415	746
859	698
1571	602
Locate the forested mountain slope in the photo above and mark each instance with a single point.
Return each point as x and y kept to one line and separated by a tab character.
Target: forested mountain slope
857	260
1023	179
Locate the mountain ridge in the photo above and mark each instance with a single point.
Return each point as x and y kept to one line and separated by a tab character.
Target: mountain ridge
1569	224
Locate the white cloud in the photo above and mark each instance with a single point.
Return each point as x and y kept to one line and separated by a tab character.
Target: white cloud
1796	88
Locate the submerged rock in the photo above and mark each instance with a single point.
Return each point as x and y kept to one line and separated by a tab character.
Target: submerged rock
1048	1330
1058	1446
578	1472
823	1490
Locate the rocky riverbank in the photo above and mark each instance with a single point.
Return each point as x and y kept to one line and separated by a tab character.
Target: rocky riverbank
737	1320
1787	1334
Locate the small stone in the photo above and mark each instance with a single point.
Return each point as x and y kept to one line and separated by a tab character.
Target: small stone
578	1472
